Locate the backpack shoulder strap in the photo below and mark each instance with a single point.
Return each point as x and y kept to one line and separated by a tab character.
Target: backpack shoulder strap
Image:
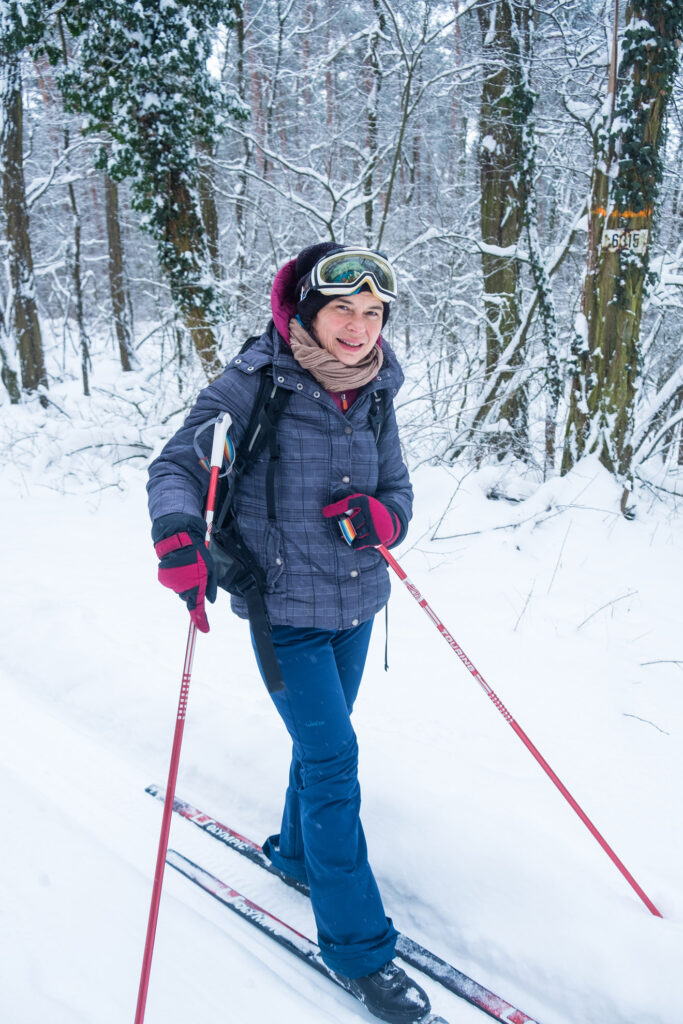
248	343
267	409
376	414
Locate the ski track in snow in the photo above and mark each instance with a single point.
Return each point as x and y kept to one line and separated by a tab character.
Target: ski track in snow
83	827
477	856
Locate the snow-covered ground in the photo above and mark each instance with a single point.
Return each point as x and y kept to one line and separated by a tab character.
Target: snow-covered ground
571	613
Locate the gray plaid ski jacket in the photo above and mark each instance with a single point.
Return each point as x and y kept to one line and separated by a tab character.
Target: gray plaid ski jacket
313	577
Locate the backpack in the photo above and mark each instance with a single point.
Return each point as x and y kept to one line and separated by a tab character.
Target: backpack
237	569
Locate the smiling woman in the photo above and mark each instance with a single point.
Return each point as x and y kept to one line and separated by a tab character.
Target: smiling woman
335	456
338	313
348	327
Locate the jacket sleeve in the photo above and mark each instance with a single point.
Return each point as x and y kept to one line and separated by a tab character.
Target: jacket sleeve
178	484
394	488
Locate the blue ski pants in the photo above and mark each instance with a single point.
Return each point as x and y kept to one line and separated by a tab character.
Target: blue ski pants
321	839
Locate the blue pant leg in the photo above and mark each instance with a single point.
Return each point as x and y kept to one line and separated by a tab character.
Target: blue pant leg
350	648
286	851
354	934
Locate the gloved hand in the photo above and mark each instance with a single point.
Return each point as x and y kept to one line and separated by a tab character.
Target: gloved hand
185	563
373	522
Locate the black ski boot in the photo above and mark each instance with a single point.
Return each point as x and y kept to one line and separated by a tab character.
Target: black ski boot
391	995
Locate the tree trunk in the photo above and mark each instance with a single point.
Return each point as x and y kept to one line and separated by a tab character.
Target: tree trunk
76	261
242	175
185	235
117	281
8	375
523	33
669	440
78	288
207	201
501	213
625	185
77	276
373	84
179	359
25	312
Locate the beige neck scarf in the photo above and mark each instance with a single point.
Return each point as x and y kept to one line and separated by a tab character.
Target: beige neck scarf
328	371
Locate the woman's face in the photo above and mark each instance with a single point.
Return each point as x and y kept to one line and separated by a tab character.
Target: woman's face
349	326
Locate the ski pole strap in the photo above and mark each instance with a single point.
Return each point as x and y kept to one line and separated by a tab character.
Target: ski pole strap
261	431
263	639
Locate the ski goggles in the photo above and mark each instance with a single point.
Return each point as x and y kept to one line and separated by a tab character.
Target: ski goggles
345	272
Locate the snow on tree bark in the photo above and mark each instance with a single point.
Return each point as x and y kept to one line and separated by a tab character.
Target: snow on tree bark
24	309
501	209
624	190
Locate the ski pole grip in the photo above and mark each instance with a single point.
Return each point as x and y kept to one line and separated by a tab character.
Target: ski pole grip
220	432
347	530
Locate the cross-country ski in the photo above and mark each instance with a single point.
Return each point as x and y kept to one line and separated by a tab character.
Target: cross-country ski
408	950
281	933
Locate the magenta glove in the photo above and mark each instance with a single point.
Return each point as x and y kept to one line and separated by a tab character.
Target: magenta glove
373	522
187	567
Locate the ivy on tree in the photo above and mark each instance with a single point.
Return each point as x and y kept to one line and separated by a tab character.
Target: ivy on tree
140	75
650	61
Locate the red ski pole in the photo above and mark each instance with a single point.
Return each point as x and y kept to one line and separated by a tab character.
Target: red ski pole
348	533
219	435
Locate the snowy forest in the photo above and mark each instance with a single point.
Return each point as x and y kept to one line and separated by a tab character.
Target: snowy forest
519	161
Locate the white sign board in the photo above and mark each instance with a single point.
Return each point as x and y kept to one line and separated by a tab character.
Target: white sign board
617	239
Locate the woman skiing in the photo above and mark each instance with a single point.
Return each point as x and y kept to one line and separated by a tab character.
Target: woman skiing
336	455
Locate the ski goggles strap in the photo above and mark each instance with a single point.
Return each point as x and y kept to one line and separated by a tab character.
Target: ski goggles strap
343	273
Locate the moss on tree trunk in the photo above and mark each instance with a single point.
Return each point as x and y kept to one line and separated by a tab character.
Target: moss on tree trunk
625	185
185	249
25	312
